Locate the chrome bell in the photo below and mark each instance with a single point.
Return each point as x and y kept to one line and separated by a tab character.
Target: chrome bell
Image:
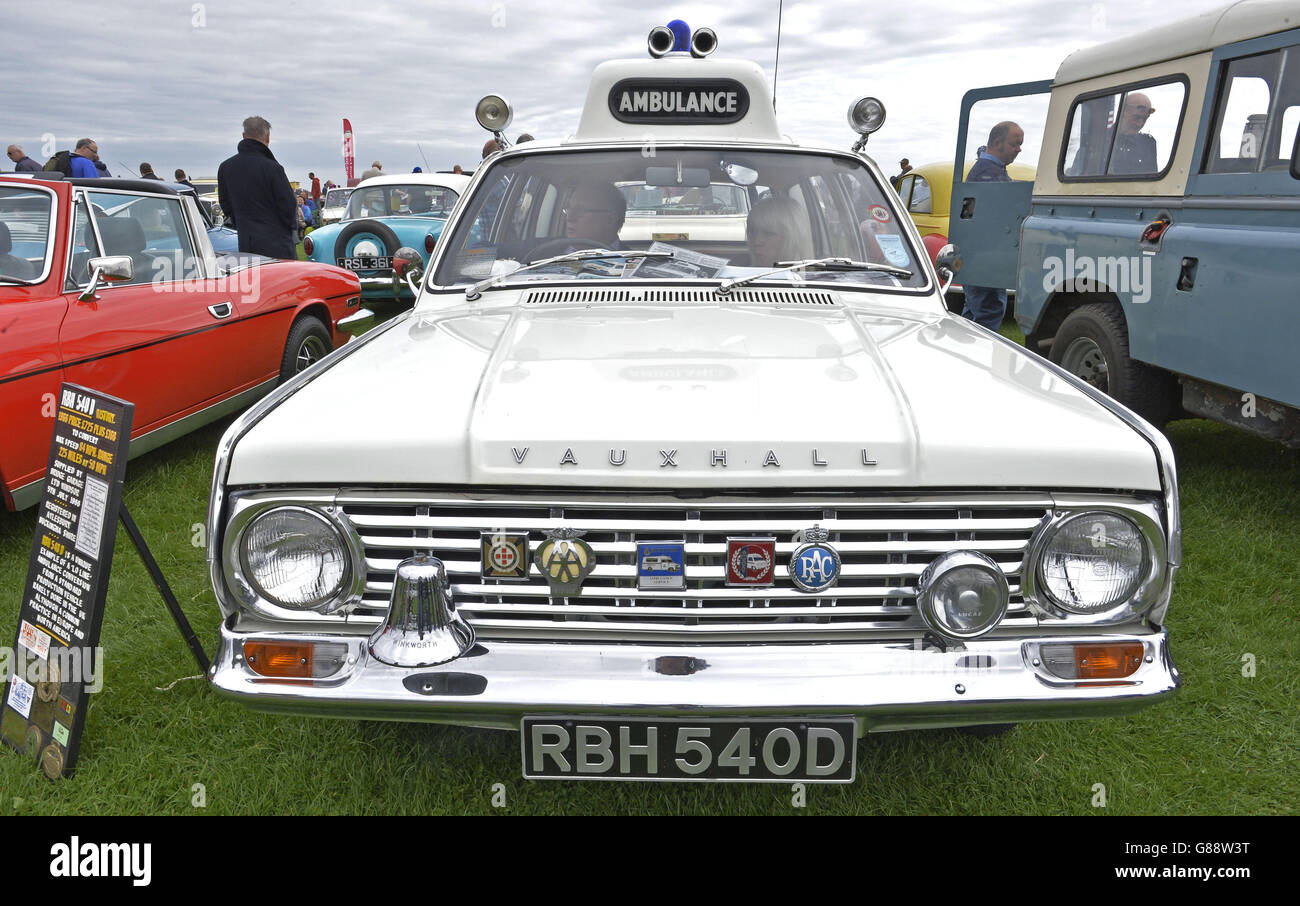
422	628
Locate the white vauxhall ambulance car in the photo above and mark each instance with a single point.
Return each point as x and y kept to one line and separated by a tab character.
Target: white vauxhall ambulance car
452	518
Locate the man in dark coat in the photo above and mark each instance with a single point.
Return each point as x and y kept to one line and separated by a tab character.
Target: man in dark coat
256	196
22	163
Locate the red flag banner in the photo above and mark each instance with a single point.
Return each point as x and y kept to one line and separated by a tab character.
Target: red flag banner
349	153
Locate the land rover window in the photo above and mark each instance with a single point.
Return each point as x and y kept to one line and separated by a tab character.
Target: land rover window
1124	134
1256	114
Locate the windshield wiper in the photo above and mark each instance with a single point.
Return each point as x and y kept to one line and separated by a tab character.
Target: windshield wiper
835	264
580	255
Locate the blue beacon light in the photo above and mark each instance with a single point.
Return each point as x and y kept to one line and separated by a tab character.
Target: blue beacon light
681	35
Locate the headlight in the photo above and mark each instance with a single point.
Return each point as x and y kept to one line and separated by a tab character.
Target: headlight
296	558
962	594
1092	561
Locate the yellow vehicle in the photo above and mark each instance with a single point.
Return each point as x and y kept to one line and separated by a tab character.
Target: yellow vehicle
927	192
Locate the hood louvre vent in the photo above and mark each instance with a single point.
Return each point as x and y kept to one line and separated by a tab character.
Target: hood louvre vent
671	296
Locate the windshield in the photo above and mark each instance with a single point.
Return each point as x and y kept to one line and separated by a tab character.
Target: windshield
336	198
389	200
24	233
781	206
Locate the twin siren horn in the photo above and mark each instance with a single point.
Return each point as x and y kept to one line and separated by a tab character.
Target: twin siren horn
676	37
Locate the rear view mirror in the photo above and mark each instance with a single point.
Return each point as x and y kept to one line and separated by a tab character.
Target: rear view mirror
697	177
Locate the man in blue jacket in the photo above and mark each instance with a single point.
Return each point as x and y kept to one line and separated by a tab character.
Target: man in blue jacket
83	159
256	196
987	305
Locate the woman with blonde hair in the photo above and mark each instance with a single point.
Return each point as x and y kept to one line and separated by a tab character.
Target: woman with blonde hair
777	230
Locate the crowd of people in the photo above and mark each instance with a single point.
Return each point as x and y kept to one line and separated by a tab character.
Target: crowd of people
260	204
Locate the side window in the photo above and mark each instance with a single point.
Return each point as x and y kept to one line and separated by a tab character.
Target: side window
905	186
84	246
149	230
920	203
1256	114
1127	133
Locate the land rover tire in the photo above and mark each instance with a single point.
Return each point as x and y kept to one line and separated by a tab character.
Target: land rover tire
308	343
1092	344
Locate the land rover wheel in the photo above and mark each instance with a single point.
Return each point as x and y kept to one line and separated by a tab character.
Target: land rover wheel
308	343
1092	344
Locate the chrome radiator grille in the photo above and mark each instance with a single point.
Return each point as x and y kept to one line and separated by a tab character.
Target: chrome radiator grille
885	543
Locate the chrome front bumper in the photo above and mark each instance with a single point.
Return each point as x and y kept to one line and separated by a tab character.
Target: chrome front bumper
885	686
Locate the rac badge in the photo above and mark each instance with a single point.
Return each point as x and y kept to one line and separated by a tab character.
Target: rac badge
565	560
815	565
504	556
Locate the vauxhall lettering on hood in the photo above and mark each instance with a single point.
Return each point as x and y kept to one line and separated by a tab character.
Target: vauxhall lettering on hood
667	458
678	102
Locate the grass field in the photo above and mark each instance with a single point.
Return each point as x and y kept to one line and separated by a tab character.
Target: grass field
1226	744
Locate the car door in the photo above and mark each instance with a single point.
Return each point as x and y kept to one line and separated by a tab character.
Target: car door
985	217
1224	276
155	340
31	310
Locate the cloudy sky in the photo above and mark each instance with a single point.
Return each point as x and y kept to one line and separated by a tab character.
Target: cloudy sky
169	81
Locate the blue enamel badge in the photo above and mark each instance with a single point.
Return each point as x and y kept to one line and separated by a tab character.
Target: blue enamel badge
660	566
815	565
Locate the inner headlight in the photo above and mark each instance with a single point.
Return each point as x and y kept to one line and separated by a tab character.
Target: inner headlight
366	247
296	558
962	594
1092	562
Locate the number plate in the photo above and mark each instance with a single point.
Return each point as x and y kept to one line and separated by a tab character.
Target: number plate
366	263
778	750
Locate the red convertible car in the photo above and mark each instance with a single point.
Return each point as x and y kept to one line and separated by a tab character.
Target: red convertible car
112	284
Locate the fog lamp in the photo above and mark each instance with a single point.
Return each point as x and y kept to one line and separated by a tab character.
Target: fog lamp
962	594
493	113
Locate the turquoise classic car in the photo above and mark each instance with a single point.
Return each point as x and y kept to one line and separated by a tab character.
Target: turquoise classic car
385	215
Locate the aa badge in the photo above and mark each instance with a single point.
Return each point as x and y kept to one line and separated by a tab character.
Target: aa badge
565	560
504	556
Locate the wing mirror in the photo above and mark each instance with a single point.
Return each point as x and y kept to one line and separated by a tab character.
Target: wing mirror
948	263
110	269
